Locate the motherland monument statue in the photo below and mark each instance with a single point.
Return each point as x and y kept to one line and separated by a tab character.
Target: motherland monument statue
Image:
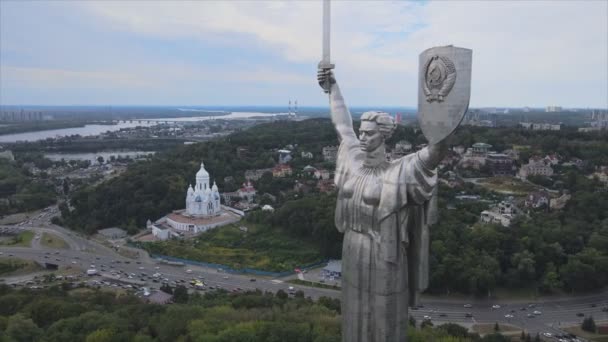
385	208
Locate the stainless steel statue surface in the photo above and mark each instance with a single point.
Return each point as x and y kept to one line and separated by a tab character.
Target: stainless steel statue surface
385	208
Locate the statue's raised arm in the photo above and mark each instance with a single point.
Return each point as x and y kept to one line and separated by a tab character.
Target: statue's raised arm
340	115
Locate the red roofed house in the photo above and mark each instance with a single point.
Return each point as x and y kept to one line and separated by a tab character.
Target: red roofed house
281	170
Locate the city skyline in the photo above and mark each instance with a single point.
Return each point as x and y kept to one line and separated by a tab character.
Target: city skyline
532	54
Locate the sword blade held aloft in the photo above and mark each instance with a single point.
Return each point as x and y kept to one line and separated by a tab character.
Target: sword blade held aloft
325	61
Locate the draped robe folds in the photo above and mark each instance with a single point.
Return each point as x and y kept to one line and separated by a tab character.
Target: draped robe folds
384	212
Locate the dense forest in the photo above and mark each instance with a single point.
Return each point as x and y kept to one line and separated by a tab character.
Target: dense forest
61	314
549	251
78	144
19	191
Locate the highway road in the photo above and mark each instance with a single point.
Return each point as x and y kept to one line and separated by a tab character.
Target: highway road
85	253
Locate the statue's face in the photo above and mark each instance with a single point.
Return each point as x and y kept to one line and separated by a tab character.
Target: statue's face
369	136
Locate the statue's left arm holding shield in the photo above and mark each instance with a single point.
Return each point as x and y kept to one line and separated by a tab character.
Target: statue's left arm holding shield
430	156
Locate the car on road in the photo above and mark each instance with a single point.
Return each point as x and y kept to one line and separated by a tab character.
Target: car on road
141	267
536	312
548	334
252	279
468	306
225	277
427	318
530	315
443	315
508	316
580	314
188	271
495	306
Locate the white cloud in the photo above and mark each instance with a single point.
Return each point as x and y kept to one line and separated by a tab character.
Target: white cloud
524	52
61	78
376	44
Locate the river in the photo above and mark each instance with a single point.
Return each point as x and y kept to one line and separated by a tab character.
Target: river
93	156
89	130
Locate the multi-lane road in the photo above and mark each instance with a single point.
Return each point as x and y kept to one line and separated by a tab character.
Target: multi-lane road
84	253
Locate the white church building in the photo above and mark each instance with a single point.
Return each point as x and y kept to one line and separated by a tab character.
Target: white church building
203	200
203	211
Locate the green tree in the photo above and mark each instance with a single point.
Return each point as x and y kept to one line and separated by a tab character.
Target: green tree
180	294
22	329
101	335
589	324
282	295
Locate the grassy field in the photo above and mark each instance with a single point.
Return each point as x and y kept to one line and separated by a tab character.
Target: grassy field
509	185
505	329
260	248
591	337
313	284
53	241
22	240
14	266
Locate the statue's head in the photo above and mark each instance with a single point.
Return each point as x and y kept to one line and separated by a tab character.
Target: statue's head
375	128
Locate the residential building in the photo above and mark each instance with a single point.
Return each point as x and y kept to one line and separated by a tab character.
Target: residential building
504	213
247	192
535	167
540	126
500	164
512	153
459	149
242	152
159	232
330	153
326	186
552	159
309	170
537	199
307	155
488	216
284	156
480	149
281	170
255	175
322	174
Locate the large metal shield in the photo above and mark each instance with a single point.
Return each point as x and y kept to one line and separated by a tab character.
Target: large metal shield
444	89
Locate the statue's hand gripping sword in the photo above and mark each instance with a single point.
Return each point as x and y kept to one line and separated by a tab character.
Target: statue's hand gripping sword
325	64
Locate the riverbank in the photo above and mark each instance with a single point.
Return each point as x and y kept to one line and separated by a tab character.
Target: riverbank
36	126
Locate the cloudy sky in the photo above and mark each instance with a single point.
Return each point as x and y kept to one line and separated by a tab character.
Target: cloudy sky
525	53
